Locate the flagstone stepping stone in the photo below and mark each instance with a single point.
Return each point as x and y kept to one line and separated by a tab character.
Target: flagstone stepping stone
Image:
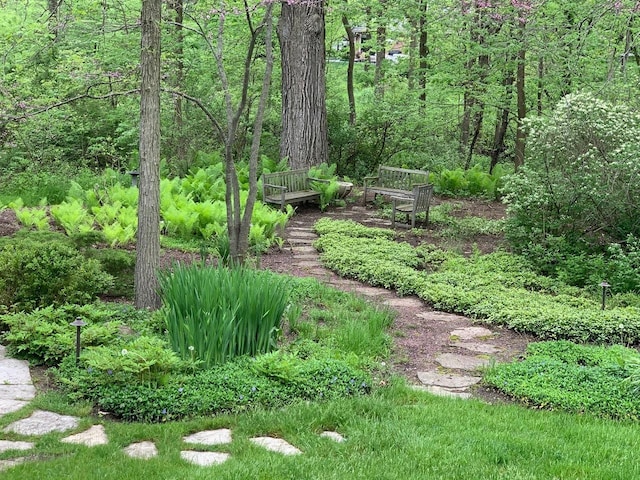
462	362
6	445
210	437
7	464
301	241
404	302
303	250
308	263
371	291
41	422
477	347
441	316
443	392
302	233
469	333
9	406
14	372
204	459
447	380
335	436
305	257
92	437
142	450
25	392
277	445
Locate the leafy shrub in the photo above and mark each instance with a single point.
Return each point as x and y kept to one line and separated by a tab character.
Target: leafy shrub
580	180
576	378
44	335
36	274
32	218
235	386
120	264
216	313
463	183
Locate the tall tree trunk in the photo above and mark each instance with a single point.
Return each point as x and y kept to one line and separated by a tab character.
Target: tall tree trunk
381	52
350	66
423	52
502	119
180	140
522	108
304	113
148	236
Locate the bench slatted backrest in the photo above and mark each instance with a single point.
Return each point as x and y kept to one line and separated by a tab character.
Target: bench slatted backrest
422	197
401	178
294	180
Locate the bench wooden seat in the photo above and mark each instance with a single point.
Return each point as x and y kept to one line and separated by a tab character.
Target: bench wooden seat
394	182
419	202
288	188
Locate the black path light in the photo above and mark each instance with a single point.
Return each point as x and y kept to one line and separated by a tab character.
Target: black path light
78	323
134	177
604	286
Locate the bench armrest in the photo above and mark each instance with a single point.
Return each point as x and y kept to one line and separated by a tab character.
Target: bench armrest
367	179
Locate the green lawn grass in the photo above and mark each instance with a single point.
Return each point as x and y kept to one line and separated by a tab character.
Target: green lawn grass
394	434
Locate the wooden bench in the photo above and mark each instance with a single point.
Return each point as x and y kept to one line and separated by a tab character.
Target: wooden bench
394	182
419	202
288	188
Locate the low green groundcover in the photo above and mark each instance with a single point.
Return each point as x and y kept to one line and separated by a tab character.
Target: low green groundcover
576	378
235	386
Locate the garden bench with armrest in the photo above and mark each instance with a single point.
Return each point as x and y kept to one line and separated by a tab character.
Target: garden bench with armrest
418	203
394	182
290	187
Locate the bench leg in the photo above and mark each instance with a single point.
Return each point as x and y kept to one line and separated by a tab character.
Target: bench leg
393	214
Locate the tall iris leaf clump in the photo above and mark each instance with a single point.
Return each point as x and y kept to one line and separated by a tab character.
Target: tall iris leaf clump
215	313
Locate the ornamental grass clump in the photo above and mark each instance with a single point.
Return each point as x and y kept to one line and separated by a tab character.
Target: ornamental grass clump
215	313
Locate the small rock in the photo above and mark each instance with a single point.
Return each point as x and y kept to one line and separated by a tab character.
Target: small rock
335	436
276	445
41	423
204	459
210	437
143	450
6	445
90	438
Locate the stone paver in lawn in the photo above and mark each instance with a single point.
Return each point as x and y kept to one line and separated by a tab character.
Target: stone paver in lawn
14	372
6	464
91	437
447	380
24	392
309	264
372	291
470	333
461	362
335	436
204	459
10	406
41	422
443	392
302	233
220	436
142	450
6	445
277	445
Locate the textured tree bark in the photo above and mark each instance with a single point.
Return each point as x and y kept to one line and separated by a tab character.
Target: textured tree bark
423	53
522	110
304	113
381	52
352	59
148	236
